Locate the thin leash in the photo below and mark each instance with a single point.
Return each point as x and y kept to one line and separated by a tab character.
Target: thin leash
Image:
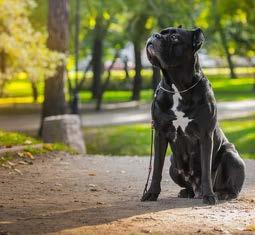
152	128
150	164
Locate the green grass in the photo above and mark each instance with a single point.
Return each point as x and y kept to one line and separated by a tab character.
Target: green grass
10	139
19	90
135	139
13	138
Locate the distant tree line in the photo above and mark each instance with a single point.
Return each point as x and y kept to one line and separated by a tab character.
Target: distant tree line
100	29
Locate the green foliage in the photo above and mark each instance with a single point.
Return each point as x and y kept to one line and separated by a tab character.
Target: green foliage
22	48
13	138
225	89
135	139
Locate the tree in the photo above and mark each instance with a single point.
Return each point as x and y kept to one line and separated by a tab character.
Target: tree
54	96
22	48
139	28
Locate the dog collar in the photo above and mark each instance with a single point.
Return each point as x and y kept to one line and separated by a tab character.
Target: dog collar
178	92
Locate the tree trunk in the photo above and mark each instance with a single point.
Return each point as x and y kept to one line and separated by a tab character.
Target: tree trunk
218	26
155	77
2	68
228	55
137	83
75	102
106	82
54	96
254	82
34	91
97	54
75	91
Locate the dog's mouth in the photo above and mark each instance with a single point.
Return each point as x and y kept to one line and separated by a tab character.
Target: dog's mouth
150	49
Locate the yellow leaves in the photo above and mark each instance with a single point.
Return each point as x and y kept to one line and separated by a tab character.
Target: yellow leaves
92	22
48	147
232	50
150	23
25	48
202	20
106	15
26	154
241	16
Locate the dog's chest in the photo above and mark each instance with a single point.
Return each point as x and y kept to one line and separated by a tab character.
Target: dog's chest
181	119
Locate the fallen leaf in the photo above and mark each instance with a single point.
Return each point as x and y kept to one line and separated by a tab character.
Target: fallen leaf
48	147
218	229
11	163
100	203
93	190
30	155
20	154
28	142
18	171
145	231
22	162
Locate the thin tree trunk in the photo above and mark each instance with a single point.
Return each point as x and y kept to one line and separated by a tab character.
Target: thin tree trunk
254	82
137	83
224	41
125	61
34	91
76	41
97	54
3	68
106	82
54	96
75	91
155	77
228	55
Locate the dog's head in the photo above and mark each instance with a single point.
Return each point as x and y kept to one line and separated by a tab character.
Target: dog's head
173	46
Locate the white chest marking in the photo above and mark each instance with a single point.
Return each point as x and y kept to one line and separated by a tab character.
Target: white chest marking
180	121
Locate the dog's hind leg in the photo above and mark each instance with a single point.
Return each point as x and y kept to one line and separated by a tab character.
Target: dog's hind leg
230	175
179	179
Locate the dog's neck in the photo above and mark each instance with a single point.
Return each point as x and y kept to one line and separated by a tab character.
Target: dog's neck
182	76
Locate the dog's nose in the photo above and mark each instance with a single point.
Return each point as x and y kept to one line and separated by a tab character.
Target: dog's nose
156	35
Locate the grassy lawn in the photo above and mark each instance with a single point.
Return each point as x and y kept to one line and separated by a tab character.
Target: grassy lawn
19	91
10	139
135	139
13	138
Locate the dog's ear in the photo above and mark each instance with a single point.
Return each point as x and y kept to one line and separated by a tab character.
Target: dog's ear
180	26
198	39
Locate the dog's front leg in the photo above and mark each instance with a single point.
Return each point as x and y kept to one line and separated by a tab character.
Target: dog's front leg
206	164
160	146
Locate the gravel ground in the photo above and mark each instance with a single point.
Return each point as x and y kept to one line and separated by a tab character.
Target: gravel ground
63	194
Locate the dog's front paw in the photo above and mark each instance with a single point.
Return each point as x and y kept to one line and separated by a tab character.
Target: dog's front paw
150	196
210	199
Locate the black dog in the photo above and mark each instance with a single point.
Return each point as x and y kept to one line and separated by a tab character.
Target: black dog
184	112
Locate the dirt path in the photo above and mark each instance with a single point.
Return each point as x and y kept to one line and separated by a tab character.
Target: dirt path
100	195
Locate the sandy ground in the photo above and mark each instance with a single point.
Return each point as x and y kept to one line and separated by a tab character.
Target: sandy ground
64	194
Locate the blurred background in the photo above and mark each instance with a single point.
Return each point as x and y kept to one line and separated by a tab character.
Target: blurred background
87	57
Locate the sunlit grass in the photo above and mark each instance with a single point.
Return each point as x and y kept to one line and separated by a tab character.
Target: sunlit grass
11	139
14	138
225	89
135	139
